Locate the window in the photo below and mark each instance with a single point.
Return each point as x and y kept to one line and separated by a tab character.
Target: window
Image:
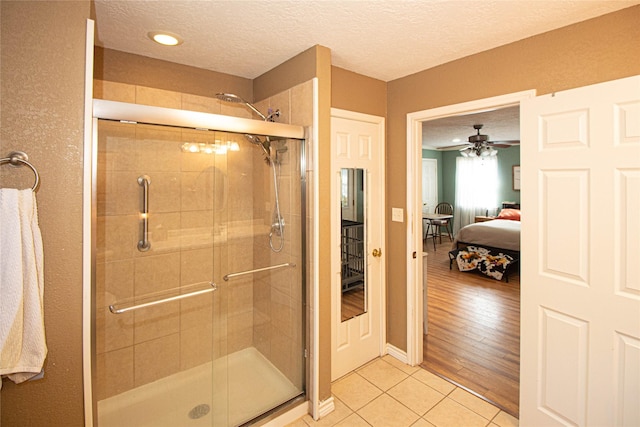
476	188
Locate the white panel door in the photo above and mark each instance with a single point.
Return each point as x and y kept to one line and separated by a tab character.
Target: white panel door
429	188
429	184
580	312
357	141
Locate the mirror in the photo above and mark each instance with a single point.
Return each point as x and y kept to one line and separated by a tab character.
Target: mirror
352	243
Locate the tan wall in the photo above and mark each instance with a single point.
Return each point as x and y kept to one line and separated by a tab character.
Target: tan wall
355	92
115	66
597	50
299	69
42	92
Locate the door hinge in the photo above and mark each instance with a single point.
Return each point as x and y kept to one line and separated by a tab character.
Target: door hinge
414	254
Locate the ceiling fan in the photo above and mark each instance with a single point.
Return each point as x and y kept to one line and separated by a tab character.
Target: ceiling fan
480	146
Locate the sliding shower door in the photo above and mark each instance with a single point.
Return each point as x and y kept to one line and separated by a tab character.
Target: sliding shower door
198	276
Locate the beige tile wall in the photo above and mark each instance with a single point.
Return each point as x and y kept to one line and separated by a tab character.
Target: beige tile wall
197	233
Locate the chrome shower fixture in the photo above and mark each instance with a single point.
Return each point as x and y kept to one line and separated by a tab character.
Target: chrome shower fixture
230	97
265	145
271	114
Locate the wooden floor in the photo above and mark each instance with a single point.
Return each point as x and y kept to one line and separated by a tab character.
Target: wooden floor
352	303
474	329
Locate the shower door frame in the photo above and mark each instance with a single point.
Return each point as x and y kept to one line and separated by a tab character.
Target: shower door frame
144	114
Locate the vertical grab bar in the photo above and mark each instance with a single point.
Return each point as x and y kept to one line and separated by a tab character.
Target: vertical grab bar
144	245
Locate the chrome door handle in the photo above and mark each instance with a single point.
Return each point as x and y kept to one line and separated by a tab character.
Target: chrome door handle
377	253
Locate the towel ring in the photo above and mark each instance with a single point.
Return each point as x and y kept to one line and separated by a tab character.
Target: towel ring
20	158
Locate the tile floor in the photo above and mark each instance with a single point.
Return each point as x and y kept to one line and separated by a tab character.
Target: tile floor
388	393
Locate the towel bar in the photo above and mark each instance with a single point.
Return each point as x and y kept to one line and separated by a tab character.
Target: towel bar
20	158
272	267
114	310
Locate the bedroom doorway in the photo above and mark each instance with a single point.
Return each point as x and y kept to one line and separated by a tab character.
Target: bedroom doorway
416	269
474	330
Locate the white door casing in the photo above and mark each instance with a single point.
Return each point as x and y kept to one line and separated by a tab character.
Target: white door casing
414	265
357	141
580	296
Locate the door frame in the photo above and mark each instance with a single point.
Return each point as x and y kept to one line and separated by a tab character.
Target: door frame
380	122
415	281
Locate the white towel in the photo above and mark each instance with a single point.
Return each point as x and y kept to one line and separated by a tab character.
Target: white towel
22	339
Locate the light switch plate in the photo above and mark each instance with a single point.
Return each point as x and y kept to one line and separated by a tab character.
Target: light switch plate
397	214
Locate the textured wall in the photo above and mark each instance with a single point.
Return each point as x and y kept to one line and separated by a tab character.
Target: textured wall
355	92
597	50
114	66
43	62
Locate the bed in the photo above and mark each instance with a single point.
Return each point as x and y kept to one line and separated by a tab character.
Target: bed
492	247
497	234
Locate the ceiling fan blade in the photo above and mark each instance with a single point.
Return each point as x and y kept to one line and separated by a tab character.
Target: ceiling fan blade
507	143
454	147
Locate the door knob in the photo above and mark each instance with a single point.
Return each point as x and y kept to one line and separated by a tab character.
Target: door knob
377	253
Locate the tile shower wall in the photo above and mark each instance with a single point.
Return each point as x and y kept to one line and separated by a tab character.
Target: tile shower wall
188	247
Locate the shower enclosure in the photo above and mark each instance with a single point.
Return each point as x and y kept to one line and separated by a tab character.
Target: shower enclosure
198	319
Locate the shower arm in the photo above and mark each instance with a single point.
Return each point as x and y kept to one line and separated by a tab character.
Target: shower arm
255	110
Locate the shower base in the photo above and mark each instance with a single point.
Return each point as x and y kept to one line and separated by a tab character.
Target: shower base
226	392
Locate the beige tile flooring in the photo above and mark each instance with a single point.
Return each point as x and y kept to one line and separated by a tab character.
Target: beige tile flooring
388	393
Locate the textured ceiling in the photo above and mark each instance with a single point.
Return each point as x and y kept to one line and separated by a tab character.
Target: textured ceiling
384	39
499	125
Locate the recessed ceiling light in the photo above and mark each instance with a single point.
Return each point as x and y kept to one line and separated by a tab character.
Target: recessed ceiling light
455	140
165	38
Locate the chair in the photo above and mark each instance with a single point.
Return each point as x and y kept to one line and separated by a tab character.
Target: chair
442	208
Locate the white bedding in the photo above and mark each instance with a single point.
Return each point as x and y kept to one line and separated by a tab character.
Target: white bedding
497	233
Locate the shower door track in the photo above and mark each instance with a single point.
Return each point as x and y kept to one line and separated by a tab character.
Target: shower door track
124	111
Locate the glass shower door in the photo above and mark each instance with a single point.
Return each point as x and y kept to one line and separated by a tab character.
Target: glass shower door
259	325
177	211
155	284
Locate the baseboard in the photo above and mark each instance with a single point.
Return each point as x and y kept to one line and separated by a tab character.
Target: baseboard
397	353
326	407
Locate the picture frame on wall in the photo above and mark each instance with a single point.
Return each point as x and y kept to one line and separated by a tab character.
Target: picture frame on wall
516	177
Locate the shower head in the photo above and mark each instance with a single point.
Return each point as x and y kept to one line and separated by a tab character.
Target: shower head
254	139
265	145
230	97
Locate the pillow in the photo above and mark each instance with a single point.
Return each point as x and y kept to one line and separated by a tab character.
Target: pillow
512	214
